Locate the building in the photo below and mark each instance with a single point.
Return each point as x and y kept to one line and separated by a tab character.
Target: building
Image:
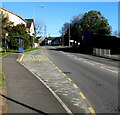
16	19
30	26
54	41
13	17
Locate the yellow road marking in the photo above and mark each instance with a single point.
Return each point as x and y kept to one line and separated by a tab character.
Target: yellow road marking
60	70
82	95
21	57
91	110
75	85
56	67
64	74
69	79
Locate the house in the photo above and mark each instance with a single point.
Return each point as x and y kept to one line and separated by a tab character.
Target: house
13	17
54	41
30	27
16	19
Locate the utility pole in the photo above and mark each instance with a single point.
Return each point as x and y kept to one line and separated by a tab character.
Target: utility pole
45	34
69	34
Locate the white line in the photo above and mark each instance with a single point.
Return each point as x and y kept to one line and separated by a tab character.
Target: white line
55	95
112	71
109	70
98	63
89	63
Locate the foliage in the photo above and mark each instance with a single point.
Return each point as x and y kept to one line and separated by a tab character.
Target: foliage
93	22
36	40
18	31
38	28
4	23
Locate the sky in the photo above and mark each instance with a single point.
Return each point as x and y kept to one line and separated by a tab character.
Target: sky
54	14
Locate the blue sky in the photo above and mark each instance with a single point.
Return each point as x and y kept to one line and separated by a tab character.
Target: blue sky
55	14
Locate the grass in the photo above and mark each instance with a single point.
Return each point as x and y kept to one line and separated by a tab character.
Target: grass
116	55
16	51
1	75
31	49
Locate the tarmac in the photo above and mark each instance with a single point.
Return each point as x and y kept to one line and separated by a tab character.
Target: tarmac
25	93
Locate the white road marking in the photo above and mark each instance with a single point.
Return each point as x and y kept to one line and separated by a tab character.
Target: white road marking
93	63
89	62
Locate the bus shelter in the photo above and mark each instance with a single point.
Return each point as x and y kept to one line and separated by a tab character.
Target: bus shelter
20	44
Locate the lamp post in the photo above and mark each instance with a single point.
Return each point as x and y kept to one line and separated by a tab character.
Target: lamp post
42	6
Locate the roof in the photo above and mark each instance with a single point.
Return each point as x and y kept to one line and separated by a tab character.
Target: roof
29	22
13	14
54	38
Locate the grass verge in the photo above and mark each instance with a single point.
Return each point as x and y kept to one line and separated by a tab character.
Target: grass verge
116	55
16	51
1	75
31	49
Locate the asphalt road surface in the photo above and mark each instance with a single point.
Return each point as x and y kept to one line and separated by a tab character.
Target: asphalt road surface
96	77
25	93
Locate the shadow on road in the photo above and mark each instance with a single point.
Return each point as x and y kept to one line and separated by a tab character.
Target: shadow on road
72	50
22	104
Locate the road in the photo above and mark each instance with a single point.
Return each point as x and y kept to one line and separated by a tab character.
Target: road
96	77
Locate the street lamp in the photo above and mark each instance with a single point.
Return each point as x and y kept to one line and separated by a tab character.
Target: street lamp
42	6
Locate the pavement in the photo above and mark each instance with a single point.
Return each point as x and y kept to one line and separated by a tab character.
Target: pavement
26	93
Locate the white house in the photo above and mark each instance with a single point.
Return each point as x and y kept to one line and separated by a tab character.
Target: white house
30	26
29	23
14	17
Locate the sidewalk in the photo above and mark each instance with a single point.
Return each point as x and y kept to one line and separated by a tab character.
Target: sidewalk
25	93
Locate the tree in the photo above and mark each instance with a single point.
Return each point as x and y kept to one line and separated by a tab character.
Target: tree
19	31
95	22
117	33
92	22
38	28
5	23
65	32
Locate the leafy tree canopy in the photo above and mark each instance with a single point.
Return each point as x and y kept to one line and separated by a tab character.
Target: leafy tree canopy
95	22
